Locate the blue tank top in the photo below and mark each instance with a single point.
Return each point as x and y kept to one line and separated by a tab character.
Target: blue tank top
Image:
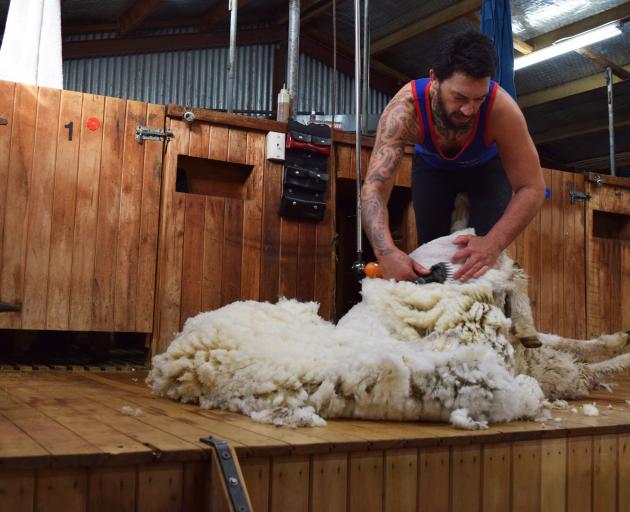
476	151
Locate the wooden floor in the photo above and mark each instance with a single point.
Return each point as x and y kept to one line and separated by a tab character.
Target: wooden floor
66	430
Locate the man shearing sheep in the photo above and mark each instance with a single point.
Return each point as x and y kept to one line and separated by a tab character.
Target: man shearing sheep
470	136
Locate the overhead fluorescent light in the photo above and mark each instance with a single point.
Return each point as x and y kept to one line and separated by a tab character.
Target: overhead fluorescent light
568	44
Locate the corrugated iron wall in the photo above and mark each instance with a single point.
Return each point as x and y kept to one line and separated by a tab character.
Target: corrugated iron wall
197	78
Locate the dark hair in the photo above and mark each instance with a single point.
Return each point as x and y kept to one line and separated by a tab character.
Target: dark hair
470	52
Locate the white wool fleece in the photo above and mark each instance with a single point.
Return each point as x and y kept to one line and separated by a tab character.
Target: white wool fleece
283	364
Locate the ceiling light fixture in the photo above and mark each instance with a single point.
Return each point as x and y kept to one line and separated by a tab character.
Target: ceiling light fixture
568	44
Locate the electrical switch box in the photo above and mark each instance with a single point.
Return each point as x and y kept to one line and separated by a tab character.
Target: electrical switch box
275	146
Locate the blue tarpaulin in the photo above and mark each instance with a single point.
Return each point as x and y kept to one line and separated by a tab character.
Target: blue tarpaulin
496	23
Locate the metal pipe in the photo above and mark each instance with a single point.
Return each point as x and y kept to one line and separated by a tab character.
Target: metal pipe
233	7
611	121
357	105
293	52
366	64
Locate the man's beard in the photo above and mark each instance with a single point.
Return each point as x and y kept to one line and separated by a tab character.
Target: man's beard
440	112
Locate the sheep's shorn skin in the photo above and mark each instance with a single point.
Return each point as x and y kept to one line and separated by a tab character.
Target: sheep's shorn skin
435	352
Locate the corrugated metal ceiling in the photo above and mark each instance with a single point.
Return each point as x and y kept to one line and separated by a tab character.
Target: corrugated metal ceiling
531	19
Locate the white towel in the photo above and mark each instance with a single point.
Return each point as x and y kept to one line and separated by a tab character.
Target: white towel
31	48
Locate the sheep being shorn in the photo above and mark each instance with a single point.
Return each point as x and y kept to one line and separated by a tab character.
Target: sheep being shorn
434	352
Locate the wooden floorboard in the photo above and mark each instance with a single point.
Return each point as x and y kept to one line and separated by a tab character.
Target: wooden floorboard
65	419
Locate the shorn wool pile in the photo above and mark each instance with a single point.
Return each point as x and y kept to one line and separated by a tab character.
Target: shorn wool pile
434	352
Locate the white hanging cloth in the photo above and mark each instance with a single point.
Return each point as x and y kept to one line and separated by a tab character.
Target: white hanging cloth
31	48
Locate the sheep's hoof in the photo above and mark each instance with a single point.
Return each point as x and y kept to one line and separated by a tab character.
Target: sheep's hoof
530	342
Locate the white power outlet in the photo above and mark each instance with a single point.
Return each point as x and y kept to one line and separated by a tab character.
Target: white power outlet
275	146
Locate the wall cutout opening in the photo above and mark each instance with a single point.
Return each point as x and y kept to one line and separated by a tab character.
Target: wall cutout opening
614	226
216	178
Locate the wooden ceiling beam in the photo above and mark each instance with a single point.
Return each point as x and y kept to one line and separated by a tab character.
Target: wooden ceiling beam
172	42
602	61
348	50
418	28
567	89
136	14
345	63
586	128
75	29
547	39
519	45
600	163
219	12
310	10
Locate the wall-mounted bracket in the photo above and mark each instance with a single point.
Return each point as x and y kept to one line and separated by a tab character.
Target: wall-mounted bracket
574	197
145	133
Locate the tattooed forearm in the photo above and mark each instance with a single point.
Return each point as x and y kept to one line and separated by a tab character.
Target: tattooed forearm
398	126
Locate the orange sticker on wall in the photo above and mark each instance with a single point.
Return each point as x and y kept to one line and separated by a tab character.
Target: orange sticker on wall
93	124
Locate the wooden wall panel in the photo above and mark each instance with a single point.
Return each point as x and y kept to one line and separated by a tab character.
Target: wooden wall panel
466	478
223	248
16	207
329	483
84	244
112	489
290	483
7	100
526	476
366	481
17	490
623	472
552	252
608	277
256	477
496	477
605	461
160	488
401	480
64	200
108	212
81	206
579	474
553	475
40	209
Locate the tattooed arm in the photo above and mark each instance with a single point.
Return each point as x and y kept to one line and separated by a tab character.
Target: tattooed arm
398	126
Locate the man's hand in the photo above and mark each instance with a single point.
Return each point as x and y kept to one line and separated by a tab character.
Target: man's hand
479	253
399	266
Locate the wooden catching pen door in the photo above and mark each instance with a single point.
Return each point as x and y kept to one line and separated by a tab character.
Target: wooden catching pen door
608	276
79	200
221	237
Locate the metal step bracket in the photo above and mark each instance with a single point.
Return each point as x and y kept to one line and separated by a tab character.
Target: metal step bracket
146	133
231	477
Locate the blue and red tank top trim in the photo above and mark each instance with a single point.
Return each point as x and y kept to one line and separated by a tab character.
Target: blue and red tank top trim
477	150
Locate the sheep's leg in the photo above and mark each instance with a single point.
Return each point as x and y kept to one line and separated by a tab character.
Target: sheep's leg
609	366
605	345
521	312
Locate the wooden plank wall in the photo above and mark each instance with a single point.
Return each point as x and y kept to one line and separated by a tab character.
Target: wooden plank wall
587	472
552	250
608	275
163	487
217	250
78	218
548	475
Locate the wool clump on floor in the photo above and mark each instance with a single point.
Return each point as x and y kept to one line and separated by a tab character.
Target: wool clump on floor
434	352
